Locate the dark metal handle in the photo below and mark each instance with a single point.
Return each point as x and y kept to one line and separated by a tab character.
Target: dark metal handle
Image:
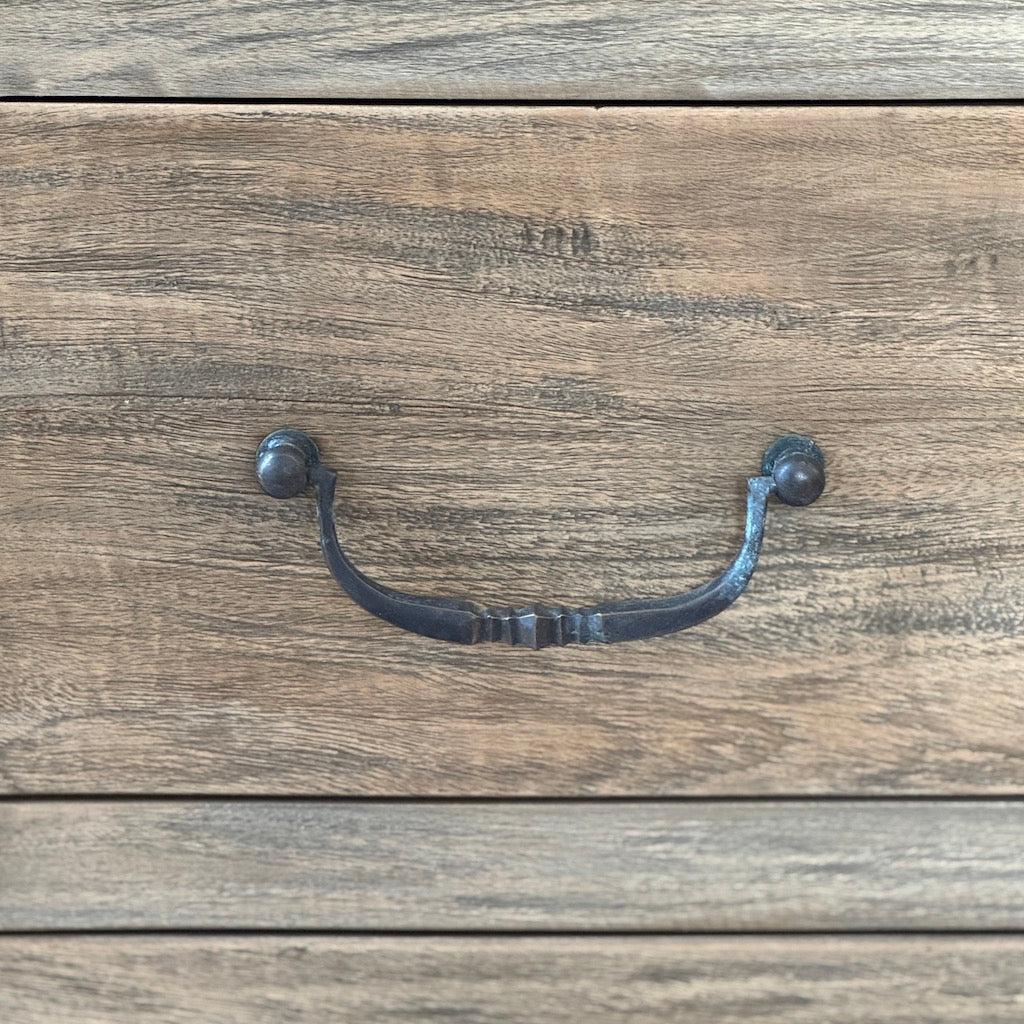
793	469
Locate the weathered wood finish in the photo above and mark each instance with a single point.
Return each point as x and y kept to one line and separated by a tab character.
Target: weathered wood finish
264	980
445	49
543	347
595	866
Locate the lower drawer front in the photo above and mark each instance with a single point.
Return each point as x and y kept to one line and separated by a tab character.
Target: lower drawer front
651	980
543	347
512	866
168	910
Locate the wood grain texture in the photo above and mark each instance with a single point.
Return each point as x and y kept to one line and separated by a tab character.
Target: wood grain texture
592	866
265	980
601	49
543	347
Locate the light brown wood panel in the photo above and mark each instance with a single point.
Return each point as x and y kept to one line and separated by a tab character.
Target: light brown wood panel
264	980
654	866
543	347
599	49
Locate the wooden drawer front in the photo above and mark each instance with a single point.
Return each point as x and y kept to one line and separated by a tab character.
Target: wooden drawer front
594	50
177	872
512	866
543	347
639	980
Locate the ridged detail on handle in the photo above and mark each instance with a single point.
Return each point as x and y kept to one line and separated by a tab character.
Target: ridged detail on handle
540	625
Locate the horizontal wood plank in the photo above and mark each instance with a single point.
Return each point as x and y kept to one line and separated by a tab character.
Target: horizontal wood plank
264	980
600	49
525	866
543	348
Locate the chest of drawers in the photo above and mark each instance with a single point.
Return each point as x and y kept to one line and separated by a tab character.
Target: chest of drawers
544	346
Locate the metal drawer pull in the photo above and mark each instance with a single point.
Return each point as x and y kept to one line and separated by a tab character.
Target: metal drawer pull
793	469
